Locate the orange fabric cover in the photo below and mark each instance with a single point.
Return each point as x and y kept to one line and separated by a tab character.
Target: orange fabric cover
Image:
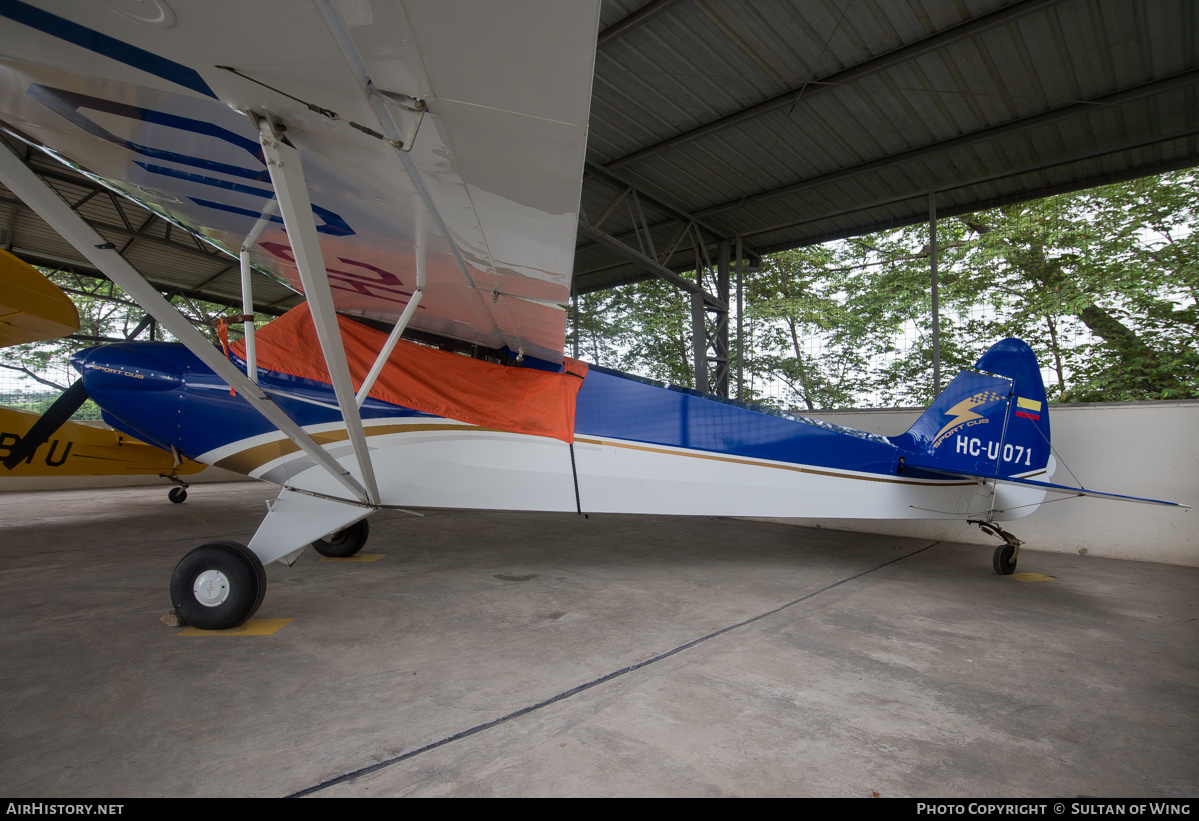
519	400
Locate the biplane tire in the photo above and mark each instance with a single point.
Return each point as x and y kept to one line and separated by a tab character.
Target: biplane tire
218	585
177	495
344	543
1004	560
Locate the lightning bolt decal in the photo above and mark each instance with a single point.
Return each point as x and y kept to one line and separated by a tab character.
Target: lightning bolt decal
963	412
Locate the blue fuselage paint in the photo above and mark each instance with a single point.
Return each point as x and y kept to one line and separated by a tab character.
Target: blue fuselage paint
163	394
617	406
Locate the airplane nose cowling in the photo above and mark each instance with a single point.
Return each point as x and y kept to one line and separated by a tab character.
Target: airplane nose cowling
128	367
139	386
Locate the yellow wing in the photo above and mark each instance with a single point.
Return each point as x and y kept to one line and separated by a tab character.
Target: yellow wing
32	308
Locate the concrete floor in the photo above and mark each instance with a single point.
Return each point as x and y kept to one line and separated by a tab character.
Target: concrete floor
536	654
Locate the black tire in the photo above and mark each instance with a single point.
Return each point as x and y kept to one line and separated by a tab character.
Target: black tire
344	543
1004	560
177	495
260	572
218	585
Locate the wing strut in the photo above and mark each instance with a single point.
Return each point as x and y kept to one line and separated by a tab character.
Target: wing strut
49	206
402	142
398	330
247	285
291	192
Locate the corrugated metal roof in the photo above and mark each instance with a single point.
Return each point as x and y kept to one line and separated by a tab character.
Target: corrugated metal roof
794	122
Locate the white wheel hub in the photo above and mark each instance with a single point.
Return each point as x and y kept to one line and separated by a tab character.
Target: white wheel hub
211	588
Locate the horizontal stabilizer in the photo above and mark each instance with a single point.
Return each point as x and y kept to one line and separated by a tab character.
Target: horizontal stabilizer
1049	486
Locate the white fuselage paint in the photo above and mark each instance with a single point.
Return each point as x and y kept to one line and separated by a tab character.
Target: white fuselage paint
441	463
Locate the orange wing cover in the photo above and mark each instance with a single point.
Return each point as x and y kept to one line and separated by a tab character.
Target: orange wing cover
518	400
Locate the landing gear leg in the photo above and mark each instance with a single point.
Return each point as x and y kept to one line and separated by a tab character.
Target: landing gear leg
178	494
1005	556
221	584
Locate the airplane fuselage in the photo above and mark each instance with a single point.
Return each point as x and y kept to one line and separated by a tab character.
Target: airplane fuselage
638	447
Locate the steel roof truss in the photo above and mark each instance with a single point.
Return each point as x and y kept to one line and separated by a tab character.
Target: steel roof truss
651	266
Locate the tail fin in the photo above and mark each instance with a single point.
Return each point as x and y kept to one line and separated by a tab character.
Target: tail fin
992	420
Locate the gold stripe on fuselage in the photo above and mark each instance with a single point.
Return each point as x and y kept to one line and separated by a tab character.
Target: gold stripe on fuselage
764	464
253	458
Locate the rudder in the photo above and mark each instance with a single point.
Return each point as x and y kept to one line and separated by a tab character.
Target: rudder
992	420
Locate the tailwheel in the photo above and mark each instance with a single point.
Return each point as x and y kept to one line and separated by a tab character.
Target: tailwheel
1004	559
178	494
344	543
218	585
1005	556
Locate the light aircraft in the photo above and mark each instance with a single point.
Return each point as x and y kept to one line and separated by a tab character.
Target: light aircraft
416	166
33	309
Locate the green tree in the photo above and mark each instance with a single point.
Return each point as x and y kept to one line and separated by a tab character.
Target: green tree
599	328
798	296
1102	283
656	325
1111	268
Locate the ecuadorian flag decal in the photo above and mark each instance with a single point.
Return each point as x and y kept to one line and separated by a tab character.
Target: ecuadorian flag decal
1028	408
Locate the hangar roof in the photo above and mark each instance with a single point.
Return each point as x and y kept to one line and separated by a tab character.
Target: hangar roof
794	122
791	122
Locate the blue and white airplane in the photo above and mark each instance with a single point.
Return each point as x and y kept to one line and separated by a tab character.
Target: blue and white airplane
417	165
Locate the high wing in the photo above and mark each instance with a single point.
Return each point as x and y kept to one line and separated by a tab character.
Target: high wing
442	136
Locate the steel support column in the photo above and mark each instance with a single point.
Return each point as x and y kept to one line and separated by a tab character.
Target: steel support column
932	258
720	338
699	341
740	324
710	323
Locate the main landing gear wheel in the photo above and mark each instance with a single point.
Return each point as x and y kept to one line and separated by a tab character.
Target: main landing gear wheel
1004	559
344	543
218	585
177	495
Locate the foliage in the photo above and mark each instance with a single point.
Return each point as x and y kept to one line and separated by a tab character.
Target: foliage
642	328
800	294
1102	283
